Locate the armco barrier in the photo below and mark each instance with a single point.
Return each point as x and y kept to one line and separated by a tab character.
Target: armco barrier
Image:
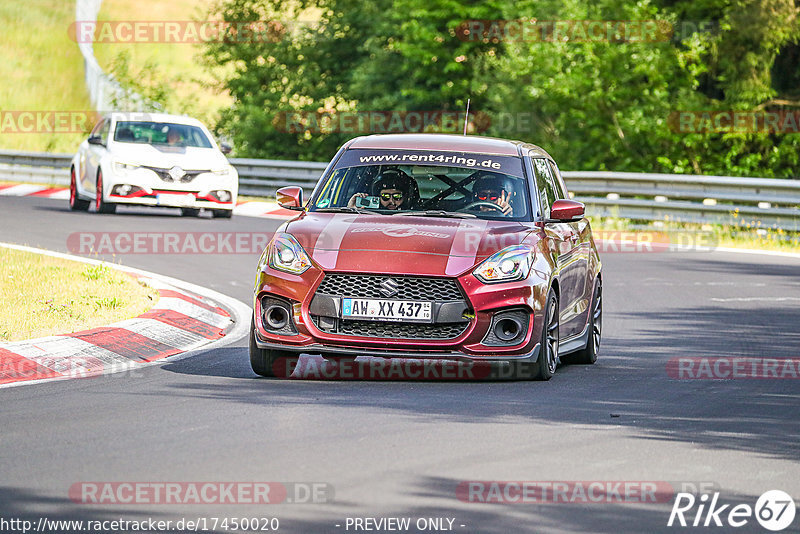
764	202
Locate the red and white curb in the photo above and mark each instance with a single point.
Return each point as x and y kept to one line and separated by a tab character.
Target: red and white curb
246	209
31	190
185	318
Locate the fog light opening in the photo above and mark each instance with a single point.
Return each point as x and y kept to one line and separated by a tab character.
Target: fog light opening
507	329
276	316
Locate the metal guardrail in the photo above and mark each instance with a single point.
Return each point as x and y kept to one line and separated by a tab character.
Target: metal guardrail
105	92
760	202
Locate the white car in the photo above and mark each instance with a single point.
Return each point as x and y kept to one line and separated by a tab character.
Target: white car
152	159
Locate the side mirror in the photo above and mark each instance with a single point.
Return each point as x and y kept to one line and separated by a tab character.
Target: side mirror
290	197
566	210
96	140
225	148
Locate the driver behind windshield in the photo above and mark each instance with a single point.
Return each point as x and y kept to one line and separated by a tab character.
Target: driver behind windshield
395	190
174	136
495	188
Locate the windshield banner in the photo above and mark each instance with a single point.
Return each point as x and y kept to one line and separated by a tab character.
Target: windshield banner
510	165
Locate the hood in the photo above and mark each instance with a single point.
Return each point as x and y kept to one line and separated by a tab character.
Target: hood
188	158
402	244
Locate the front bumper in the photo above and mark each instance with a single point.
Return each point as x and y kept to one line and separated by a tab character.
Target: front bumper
145	187
345	352
483	301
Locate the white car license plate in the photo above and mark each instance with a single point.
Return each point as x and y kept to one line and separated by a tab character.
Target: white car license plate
168	199
386	310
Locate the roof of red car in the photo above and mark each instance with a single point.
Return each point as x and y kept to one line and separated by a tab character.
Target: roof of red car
441	142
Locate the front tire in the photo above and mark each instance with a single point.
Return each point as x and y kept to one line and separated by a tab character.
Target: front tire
548	353
588	354
263	360
101	205
190	212
222	214
75	202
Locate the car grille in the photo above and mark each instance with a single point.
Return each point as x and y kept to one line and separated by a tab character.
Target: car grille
396	330
408	287
164	174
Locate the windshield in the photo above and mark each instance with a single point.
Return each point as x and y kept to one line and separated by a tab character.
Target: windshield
496	191
161	133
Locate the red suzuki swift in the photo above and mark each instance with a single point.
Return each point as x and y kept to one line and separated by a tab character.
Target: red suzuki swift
432	246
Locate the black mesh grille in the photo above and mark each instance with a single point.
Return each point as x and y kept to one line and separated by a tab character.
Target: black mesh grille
520	315
288	329
409	288
399	330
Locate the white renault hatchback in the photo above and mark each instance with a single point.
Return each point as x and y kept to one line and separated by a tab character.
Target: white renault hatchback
152	159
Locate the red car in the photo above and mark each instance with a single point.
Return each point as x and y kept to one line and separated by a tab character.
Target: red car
432	246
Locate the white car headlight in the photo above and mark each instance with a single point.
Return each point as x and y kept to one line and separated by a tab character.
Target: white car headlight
287	255
121	167
224	171
511	263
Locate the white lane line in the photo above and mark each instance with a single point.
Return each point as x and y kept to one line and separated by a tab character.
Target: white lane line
254	209
757	299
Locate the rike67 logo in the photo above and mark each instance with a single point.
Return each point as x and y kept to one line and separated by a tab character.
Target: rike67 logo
774	510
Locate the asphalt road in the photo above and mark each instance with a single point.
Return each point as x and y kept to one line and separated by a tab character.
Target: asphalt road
400	449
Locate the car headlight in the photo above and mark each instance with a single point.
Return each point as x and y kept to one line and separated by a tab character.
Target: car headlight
511	263
287	255
121	168
224	171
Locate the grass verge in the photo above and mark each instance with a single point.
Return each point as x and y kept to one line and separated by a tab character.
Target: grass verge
42	70
41	296
171	72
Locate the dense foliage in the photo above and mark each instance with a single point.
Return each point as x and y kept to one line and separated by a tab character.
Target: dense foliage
593	103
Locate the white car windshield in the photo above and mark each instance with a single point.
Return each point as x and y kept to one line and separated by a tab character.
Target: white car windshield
161	133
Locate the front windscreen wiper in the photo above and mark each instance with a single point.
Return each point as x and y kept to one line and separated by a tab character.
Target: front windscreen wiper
348	209
438	213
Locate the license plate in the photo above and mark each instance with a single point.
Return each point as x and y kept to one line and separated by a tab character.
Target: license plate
167	199
387	310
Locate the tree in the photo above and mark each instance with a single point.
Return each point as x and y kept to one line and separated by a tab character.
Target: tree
593	103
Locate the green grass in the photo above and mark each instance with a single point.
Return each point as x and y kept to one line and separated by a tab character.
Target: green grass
176	70
42	69
41	296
